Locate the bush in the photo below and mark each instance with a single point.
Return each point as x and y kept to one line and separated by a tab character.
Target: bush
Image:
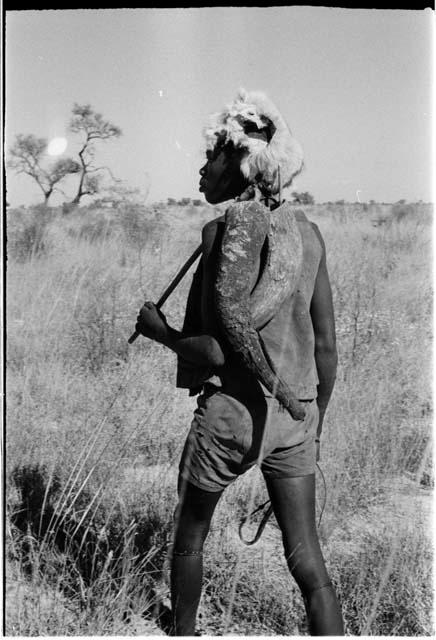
303	198
183	202
138	226
69	207
104	560
27	232
401	210
95	229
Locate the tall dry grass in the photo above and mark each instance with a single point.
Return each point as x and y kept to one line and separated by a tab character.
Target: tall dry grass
95	430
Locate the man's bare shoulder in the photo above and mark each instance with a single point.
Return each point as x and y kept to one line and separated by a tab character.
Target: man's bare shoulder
213	224
318	234
211	230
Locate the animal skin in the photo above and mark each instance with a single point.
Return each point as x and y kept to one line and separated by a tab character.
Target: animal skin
283	150
248	226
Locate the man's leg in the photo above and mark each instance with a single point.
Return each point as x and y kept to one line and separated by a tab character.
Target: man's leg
293	501
192	521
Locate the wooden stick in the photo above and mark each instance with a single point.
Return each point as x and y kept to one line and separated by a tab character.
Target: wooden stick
168	291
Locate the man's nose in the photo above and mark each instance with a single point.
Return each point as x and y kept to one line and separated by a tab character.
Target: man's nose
202	171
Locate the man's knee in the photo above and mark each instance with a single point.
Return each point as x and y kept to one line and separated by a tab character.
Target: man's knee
308	571
195	506
189	540
191	529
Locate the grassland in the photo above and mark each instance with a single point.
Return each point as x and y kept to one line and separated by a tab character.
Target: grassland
95	429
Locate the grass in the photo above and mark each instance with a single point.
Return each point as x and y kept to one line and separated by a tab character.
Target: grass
95	430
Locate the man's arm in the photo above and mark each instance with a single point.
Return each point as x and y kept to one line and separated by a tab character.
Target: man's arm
199	349
193	345
326	357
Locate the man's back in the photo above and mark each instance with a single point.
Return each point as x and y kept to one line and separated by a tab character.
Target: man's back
287	337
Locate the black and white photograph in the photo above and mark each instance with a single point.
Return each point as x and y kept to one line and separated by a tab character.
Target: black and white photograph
218	305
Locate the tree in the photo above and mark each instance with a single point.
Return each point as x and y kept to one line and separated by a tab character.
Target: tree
92	127
26	156
303	198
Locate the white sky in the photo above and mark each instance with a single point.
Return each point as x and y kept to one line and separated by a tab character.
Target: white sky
354	85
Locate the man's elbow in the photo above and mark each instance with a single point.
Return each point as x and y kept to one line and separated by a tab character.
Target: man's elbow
215	354
326	345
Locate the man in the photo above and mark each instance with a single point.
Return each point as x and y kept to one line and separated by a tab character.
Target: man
239	421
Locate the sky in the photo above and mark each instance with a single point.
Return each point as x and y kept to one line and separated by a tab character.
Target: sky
354	85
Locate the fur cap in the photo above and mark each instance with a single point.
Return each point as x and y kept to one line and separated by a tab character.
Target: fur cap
254	123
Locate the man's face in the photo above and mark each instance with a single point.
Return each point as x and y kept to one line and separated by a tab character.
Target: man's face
221	177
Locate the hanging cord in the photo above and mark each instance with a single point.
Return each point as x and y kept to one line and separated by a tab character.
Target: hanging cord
261	526
269	511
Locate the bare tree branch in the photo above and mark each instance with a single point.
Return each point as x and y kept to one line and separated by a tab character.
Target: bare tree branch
93	127
26	156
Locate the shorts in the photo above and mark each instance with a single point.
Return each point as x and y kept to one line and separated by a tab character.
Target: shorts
229	434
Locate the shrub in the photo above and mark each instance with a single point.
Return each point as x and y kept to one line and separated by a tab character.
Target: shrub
183	202
138	226
303	197
104	560
95	228
69	207
401	210
27	232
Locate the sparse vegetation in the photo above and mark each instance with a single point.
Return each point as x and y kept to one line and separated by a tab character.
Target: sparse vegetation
29	234
95	430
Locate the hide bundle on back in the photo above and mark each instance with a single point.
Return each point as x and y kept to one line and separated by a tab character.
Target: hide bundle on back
248	226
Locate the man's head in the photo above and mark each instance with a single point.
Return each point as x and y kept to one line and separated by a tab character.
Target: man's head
221	176
251	139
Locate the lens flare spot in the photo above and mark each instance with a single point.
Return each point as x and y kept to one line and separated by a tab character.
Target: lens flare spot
56	146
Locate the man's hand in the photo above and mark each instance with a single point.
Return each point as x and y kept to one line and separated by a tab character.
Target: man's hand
152	323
